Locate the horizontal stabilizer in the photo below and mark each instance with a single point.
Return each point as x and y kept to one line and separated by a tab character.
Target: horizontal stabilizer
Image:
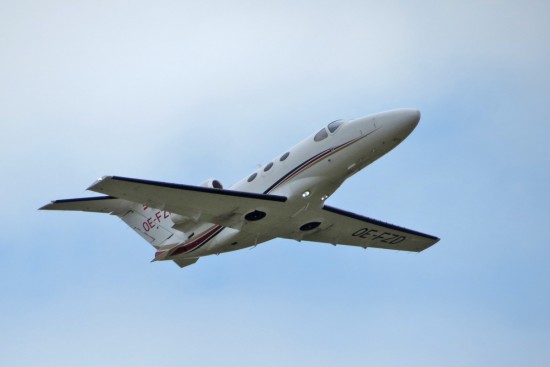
151	224
99	204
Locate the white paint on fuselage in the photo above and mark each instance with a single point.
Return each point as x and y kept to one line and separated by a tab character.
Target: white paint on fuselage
353	146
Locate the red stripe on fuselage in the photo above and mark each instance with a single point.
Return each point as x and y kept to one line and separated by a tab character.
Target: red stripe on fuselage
200	241
310	162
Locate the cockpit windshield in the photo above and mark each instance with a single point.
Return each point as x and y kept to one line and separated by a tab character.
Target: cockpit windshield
334	125
322	134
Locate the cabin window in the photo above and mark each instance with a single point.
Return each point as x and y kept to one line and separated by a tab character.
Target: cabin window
335	125
268	167
322	134
284	156
252	177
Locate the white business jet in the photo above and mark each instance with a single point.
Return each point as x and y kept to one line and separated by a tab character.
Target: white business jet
285	198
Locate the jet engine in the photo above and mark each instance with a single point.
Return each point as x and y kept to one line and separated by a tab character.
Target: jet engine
182	222
179	219
212	183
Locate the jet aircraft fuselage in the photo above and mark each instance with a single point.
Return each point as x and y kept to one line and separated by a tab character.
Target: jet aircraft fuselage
284	198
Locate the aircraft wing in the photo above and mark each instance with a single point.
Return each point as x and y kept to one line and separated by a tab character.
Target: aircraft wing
345	228
224	207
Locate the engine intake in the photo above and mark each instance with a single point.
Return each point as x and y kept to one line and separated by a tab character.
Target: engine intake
212	183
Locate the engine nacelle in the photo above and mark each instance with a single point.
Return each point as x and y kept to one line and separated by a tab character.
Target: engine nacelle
178	219
183	222
212	183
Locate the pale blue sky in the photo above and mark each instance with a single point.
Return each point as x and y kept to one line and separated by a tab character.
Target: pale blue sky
181	91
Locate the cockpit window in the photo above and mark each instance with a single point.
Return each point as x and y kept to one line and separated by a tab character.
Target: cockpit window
334	125
322	134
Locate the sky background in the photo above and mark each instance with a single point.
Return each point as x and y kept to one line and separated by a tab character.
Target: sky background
183	91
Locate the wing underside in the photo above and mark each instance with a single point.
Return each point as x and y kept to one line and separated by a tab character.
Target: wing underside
219	206
339	227
99	204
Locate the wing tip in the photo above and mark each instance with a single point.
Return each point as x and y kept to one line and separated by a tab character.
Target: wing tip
96	185
98	181
47	206
433	241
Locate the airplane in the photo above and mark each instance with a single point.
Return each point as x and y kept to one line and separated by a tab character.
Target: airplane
283	199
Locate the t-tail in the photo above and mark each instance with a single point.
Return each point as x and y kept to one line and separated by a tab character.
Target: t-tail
154	225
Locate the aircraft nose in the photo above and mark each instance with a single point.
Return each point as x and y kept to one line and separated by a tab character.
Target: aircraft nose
412	117
407	119
402	122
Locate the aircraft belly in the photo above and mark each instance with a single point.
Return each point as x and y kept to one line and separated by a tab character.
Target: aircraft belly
230	240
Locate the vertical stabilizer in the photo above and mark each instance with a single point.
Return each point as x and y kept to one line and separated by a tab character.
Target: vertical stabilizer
154	225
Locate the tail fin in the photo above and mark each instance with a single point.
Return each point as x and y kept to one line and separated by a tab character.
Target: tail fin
154	225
